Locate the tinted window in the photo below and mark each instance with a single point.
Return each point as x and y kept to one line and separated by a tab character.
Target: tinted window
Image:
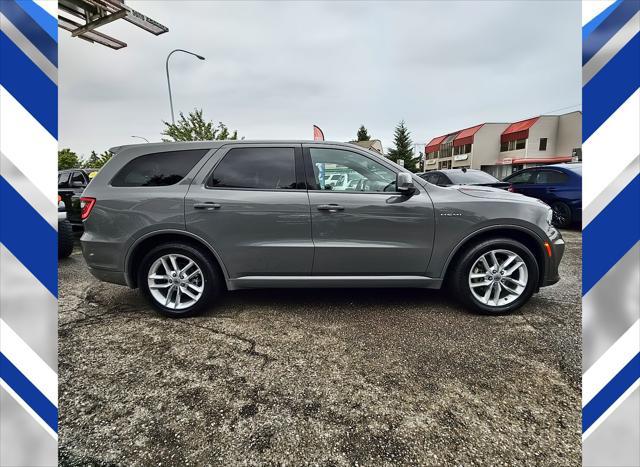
370	175
63	180
78	177
443	180
431	177
551	176
159	169
259	168
460	177
522	177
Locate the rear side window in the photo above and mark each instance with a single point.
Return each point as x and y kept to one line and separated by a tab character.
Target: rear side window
551	176
257	168
522	177
158	169
63	180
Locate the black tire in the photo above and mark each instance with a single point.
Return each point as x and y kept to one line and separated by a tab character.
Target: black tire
65	238
561	214
459	279
212	283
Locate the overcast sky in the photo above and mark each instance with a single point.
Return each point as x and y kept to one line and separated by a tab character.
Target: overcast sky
273	69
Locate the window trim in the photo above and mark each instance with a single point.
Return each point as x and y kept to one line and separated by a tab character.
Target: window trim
310	177
298	169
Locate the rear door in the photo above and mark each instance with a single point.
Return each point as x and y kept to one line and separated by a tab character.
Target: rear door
552	185
368	230
250	203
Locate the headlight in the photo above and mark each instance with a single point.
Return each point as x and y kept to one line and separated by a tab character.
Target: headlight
550	216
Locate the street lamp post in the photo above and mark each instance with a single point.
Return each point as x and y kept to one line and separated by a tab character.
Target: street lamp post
141	137
173	120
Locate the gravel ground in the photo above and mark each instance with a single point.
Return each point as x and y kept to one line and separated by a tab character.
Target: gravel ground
330	377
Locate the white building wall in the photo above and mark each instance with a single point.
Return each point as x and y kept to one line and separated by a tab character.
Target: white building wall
486	145
569	133
545	127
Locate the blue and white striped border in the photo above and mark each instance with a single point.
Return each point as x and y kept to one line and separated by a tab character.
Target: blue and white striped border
28	237
611	232
611	306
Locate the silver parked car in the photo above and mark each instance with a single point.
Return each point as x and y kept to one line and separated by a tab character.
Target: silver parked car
186	221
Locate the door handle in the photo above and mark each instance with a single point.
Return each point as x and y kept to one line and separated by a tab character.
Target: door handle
330	207
207	206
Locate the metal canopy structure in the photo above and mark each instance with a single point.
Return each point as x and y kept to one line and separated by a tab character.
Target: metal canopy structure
96	13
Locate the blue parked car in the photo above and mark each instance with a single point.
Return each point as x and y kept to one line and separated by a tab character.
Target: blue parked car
559	185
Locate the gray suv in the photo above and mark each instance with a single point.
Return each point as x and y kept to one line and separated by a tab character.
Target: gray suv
186	221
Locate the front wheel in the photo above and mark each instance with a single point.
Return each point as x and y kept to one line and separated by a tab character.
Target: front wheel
178	280
495	276
561	214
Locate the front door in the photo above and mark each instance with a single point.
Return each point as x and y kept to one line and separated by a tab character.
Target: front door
364	226
250	203
522	182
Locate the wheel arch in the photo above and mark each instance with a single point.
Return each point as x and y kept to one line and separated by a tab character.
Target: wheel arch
145	243
521	234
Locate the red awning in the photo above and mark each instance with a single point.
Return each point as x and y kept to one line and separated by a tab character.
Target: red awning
434	144
466	136
518	130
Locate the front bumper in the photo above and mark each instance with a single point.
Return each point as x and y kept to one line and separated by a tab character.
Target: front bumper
552	275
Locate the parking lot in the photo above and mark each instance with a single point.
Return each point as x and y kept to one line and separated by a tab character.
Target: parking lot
332	377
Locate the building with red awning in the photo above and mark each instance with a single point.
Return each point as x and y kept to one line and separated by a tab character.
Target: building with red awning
503	148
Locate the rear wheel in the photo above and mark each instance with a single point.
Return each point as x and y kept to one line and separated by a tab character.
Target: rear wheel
178	280
561	214
495	276
65	238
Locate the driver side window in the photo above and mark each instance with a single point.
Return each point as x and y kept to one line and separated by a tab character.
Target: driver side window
340	170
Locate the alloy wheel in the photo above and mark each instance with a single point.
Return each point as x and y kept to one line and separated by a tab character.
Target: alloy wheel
498	277
561	214
175	281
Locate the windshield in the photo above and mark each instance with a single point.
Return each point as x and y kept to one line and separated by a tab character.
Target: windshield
459	177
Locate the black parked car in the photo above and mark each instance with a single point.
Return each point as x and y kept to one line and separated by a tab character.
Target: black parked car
447	177
71	184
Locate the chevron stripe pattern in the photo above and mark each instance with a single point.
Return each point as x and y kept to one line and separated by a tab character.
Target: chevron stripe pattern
28	237
611	232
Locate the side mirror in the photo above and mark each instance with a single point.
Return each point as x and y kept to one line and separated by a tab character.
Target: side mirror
404	184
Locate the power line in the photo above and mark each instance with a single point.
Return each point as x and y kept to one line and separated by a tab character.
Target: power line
561	108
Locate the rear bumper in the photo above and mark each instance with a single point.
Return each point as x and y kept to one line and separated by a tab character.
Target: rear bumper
102	259
115	277
552	275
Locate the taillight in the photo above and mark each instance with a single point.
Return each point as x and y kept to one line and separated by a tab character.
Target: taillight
86	205
59	198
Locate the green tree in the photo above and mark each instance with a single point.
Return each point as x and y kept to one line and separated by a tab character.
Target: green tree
195	128
96	161
403	147
67	159
363	134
